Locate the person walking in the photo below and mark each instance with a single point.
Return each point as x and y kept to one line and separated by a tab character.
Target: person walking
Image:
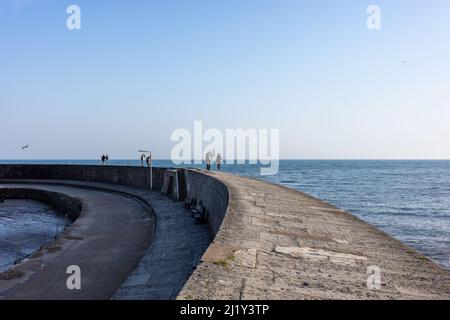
219	161
142	159
103	160
148	160
106	159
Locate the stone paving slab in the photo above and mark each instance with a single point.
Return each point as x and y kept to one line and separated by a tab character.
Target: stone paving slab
278	243
173	255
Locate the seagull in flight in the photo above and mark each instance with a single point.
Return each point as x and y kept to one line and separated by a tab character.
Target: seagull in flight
25	147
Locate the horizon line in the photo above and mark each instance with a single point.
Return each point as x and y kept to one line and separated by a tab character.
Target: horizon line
285	159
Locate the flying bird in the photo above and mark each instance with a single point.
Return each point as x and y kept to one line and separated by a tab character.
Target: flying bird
25	147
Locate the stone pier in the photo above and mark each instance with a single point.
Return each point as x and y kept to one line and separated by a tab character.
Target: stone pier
258	241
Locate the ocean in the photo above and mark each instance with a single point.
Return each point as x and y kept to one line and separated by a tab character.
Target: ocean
409	200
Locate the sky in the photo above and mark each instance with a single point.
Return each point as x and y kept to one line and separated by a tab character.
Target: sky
138	70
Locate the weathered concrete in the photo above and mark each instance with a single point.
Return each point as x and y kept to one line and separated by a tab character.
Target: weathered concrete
277	243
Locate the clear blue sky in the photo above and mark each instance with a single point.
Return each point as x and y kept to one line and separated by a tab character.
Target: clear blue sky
140	69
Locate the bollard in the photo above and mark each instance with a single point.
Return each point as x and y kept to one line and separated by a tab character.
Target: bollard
18	253
44	241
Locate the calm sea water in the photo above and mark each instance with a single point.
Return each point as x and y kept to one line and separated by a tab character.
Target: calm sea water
25	225
408	199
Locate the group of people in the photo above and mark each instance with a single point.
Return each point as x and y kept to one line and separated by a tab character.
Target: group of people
209	159
147	159
105	159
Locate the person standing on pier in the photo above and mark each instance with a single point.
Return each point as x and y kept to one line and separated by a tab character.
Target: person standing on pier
142	159
103	160
106	159
219	161
208	160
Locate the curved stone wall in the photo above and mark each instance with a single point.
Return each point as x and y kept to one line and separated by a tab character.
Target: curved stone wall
272	242
195	237
278	243
64	204
129	176
212	193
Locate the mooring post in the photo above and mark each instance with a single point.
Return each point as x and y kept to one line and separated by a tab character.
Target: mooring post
18	253
44	241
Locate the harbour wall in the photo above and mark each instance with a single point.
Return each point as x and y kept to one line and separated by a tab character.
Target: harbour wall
129	176
271	242
63	204
210	192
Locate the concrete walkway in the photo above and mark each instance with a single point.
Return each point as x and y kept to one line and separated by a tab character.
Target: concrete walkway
167	262
106	242
277	243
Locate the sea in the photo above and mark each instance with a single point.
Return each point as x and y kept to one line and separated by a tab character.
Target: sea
410	200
